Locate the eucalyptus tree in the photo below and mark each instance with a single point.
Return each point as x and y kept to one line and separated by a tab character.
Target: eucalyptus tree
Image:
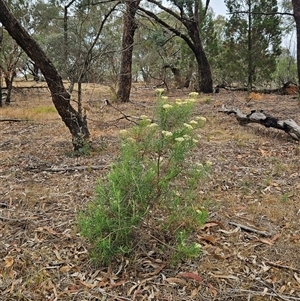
160	56
253	39
189	13
76	123
10	54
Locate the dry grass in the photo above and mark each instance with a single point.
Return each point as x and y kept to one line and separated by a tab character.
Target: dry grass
254	182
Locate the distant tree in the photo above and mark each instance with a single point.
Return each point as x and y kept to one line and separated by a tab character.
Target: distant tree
286	68
161	57
253	39
9	59
76	123
189	13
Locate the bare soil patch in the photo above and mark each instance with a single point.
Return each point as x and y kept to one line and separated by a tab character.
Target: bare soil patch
254	183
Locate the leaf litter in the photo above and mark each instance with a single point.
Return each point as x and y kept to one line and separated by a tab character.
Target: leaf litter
254	183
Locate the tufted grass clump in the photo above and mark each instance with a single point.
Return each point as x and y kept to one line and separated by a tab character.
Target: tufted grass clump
151	184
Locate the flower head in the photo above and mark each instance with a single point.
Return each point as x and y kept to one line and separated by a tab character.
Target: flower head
188	126
167	106
152	125
131	140
123	132
167	133
208	163
179	139
159	91
201	120
193	94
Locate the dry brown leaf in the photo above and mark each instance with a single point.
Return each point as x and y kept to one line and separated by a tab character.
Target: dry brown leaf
119	283
50	230
212	290
174	280
282	289
209	225
9	261
297	278
209	238
267	241
275	237
57	255
73	288
155	272
65	268
264	291
87	284
225	276
133	288
190	275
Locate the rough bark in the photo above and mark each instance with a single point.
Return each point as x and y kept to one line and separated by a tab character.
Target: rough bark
288	125
60	97
296	8
125	77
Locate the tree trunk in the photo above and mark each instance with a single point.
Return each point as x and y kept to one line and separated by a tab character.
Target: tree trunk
296	8
60	97
204	82
125	77
9	78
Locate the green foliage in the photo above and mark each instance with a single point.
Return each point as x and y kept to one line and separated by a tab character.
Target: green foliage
152	175
286	70
253	40
185	250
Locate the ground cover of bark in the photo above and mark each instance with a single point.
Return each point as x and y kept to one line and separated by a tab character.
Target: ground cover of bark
254	183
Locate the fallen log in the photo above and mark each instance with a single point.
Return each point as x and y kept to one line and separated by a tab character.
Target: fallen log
289	125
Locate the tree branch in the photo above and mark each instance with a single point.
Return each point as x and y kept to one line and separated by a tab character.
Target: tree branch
168	27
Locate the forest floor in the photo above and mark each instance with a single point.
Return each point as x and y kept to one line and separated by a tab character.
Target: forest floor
254	182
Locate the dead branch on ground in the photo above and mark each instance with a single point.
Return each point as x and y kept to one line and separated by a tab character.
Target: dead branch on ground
288	125
249	229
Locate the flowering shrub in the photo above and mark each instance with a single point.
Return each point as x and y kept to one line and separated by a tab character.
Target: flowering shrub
151	175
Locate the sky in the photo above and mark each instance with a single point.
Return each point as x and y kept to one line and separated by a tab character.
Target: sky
218	7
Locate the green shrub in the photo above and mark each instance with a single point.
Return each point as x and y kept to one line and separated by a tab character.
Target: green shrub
151	175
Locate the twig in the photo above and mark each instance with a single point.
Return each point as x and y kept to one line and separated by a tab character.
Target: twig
13	120
127	117
11	219
246	228
276	265
283	297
